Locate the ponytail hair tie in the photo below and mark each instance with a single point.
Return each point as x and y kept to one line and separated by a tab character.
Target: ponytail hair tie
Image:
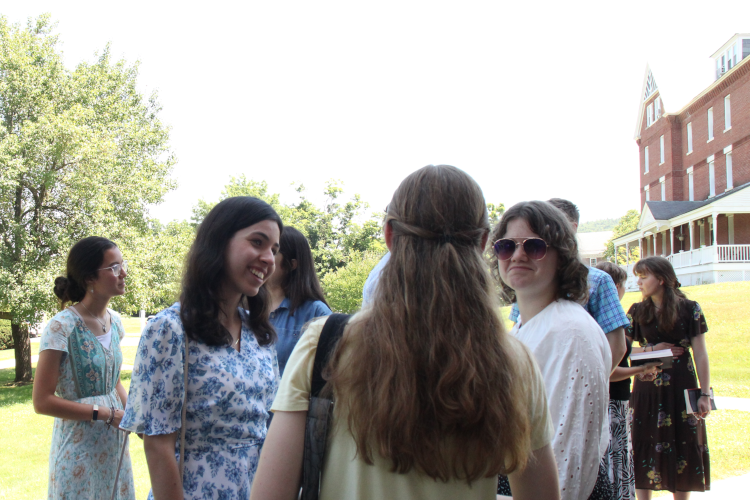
678	285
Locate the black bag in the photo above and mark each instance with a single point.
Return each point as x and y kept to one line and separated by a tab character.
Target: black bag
321	409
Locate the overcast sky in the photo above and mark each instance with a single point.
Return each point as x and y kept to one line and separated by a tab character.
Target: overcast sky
534	101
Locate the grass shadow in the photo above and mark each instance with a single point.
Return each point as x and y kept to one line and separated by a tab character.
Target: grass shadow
10	393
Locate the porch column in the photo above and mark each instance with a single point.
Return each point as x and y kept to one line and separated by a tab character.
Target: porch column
627	253
654	236
640	248
715	231
671	240
690	226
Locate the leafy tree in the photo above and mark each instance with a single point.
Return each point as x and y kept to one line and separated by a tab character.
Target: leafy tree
343	287
81	153
155	260
334	230
495	213
627	224
598	225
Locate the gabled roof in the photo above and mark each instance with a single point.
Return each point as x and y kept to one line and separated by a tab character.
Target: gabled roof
649	84
665	210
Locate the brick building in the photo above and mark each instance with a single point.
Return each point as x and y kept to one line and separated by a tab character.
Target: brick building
695	175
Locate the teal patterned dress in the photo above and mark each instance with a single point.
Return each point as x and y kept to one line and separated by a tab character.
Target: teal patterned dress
670	448
84	455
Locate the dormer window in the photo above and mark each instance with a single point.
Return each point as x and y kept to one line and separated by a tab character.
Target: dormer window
731	53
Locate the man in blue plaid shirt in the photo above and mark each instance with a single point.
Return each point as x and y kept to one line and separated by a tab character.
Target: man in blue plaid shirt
604	302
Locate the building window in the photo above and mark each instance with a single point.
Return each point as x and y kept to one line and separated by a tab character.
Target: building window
727	114
649	115
648	197
728	153
663	189
691	192
711	177
661	150
657	112
592	262
646	160
730	224
690	137
710	124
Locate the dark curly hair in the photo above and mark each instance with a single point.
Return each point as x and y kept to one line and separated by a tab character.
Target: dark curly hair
553	227
84	261
205	272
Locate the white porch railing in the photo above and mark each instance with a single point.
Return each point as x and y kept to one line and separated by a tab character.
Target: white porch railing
734	253
695	257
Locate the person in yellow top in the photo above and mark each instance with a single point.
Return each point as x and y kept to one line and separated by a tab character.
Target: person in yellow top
433	398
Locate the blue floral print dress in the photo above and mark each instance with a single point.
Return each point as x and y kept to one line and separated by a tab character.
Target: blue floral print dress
670	448
228	402
84	455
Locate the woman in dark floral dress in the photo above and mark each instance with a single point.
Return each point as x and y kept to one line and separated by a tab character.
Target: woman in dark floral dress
669	445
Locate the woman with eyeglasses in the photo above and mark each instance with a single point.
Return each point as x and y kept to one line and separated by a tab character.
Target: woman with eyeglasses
670	446
221	325
432	397
535	255
77	377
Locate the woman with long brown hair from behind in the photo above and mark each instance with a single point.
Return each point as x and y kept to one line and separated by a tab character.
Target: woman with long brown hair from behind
433	398
669	445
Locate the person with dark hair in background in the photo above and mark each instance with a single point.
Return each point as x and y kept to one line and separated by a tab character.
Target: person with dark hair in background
603	303
620	451
670	446
536	261
433	398
222	319
78	377
296	296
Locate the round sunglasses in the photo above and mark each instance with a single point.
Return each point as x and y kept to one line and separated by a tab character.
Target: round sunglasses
534	248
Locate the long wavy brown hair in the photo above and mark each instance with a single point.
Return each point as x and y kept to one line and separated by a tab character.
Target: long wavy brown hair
662	270
426	374
555	228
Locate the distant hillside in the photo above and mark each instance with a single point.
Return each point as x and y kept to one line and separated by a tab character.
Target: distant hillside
595	226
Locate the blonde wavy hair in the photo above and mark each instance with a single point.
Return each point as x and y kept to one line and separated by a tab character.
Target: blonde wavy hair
426	374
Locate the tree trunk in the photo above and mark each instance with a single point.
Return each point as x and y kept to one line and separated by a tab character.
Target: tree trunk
23	351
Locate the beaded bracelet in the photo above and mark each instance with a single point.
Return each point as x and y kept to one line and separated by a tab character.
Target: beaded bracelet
111	416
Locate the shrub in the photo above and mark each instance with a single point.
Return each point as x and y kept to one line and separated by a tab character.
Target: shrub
343	287
6	335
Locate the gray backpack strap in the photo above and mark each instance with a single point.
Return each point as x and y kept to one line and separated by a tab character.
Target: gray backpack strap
320	410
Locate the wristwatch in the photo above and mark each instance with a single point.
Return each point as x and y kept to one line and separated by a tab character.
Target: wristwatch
96	413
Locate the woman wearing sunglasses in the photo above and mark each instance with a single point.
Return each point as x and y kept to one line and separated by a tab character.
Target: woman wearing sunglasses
536	256
433	398
78	377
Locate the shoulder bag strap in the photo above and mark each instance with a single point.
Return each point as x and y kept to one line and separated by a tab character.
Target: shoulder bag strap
329	337
184	409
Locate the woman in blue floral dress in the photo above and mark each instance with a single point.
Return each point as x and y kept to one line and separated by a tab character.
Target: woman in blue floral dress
232	367
78	377
670	448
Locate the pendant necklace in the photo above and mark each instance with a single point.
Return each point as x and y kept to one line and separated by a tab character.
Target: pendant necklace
104	325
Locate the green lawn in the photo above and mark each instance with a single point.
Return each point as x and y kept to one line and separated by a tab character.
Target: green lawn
26	437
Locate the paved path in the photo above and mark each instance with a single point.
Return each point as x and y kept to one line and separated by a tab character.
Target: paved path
733	488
